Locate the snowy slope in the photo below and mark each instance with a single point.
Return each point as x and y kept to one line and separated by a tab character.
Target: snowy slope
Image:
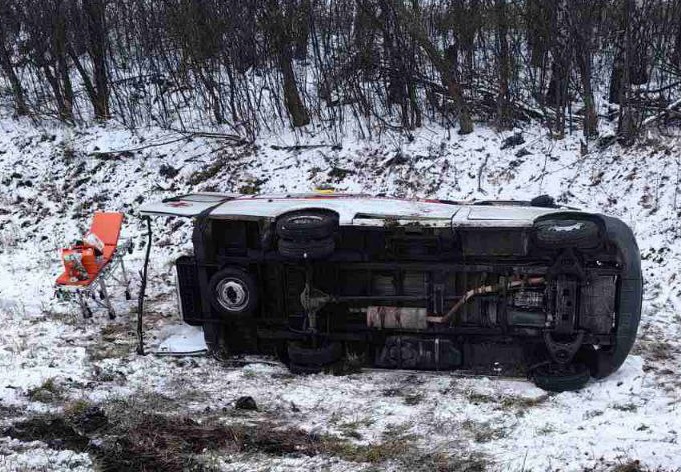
53	178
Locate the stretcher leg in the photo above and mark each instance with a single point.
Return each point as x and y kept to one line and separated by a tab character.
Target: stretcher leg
84	308
107	300
126	281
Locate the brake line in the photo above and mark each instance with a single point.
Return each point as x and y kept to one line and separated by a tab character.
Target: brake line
485	289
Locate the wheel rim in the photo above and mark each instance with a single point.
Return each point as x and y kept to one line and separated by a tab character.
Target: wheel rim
232	294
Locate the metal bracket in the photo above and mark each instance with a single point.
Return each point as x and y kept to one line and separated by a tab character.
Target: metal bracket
566	264
312	300
563	352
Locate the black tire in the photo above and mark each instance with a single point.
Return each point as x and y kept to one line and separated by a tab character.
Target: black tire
319	356
553	378
305	225
561	233
630	295
233	292
307	250
607	360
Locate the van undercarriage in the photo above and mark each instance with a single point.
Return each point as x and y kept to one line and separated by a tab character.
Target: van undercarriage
482	299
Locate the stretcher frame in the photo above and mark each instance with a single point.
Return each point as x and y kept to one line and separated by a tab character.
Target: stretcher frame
97	291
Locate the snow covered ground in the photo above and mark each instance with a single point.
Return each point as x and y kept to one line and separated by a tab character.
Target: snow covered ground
52	361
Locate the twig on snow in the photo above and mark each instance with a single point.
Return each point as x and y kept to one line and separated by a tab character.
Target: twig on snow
187	135
670	108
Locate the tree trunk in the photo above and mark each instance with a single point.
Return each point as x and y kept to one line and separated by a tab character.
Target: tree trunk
677	44
677	41
616	80
279	24
64	109
581	20
627	126
294	104
590	116
94	11
504	98
557	93
364	40
17	90
65	79
677	50
59	79
536	29
302	33
441	64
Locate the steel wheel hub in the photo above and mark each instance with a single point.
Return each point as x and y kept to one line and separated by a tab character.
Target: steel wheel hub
232	294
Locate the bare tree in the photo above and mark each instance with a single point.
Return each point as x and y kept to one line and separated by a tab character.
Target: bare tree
414	26
279	23
9	27
386	64
582	17
90	34
504	60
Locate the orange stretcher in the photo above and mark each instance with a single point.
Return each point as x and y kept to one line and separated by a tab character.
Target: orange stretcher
87	269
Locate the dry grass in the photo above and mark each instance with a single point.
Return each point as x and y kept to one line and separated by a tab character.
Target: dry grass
47	392
130	436
634	466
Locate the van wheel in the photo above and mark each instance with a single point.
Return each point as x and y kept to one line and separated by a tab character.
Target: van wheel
307	224
312	360
555	378
233	291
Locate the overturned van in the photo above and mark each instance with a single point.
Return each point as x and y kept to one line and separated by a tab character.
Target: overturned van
493	287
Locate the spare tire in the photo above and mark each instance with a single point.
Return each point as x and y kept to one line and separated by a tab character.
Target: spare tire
307	250
562	233
305	225
553	378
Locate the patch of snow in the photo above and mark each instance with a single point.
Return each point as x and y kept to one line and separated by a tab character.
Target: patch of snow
182	338
51	186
